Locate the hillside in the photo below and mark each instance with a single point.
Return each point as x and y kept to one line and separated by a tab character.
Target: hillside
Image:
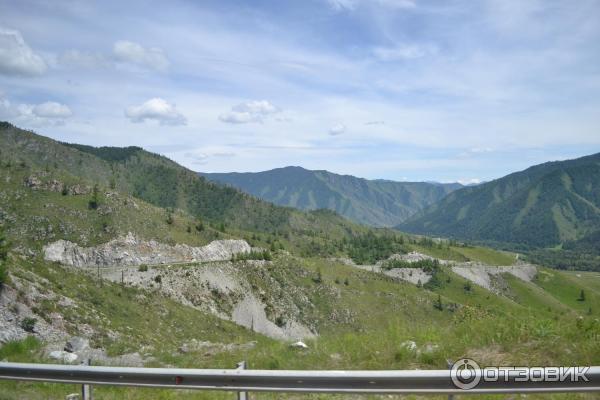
369	202
543	206
165	184
92	255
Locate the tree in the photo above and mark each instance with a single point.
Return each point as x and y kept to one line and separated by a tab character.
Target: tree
93	203
581	296
3	256
438	303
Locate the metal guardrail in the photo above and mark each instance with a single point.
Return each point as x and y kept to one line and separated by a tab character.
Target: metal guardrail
240	380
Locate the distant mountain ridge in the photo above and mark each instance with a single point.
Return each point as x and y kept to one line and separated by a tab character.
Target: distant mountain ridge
545	205
370	202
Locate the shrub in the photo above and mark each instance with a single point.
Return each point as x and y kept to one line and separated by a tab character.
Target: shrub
143	268
3	256
158	279
93	203
28	324
319	277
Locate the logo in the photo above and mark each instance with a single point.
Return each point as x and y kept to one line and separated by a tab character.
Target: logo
465	374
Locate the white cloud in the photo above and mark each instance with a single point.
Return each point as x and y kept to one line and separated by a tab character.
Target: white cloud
84	59
156	109
375	123
16	57
469	181
203	156
36	115
134	53
337	129
251	111
403	52
51	109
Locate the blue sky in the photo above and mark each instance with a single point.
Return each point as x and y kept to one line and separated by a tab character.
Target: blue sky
396	89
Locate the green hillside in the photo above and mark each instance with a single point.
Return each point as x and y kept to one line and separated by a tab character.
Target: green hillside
545	206
370	202
364	320
162	183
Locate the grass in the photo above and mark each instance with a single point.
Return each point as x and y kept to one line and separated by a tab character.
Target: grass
383	315
486	255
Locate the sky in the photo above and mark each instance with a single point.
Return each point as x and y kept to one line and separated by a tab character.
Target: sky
414	90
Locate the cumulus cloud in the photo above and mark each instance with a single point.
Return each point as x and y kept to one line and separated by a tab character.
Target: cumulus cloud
51	109
403	52
203	157
44	114
16	57
251	111
156	109
337	129
134	53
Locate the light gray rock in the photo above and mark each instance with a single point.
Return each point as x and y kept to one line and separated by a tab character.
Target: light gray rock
130	251
299	345
63	356
76	344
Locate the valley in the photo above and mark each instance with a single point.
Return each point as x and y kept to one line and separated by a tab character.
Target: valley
106	260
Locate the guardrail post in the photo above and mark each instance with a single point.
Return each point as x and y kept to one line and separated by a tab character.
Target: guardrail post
242	395
450	364
86	390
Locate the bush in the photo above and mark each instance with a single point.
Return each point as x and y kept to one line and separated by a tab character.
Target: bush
93	203
143	268
28	324
3	256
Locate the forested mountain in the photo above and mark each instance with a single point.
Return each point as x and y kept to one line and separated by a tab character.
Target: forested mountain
163	183
370	202
543	206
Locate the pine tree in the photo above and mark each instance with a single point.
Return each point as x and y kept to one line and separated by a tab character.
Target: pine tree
3	255
93	203
581	296
438	303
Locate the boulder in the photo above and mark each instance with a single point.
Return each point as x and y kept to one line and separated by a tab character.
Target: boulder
76	344
63	356
299	345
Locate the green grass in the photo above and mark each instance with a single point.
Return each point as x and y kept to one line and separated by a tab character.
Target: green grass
566	288
486	255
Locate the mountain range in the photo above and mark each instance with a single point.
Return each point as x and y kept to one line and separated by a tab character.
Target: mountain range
379	202
545	205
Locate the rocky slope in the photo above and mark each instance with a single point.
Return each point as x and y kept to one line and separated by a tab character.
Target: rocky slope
130	250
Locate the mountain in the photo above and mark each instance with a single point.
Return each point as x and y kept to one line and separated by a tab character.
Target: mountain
162	183
545	205
109	253
369	202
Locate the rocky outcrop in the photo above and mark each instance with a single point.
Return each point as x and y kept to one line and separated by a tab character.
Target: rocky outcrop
223	290
130	250
487	276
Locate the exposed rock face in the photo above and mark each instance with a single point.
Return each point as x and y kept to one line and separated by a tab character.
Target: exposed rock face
412	275
222	290
483	275
130	250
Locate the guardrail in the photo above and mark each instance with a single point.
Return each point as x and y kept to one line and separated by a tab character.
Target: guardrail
242	380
